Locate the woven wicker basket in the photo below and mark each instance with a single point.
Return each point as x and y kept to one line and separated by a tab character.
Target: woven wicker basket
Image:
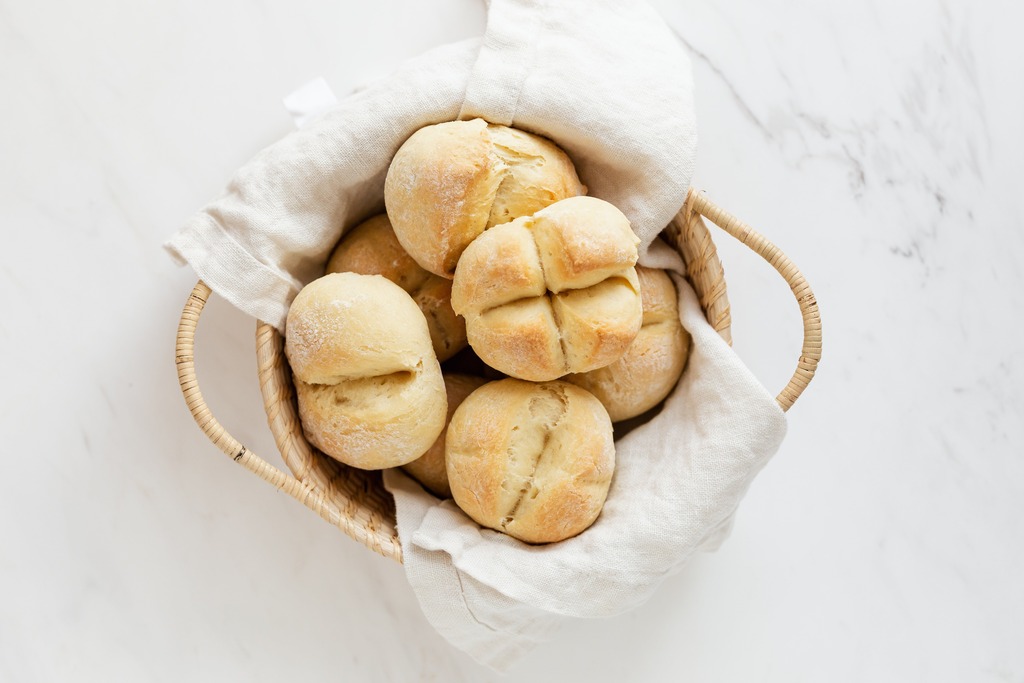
355	500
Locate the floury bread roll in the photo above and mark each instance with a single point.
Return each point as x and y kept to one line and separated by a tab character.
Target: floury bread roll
651	366
429	469
551	293
371	248
451	181
532	460
369	386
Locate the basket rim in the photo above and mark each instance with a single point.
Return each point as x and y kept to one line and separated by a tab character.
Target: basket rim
355	500
687	234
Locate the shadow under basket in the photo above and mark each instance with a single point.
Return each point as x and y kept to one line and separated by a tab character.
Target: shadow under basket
355	500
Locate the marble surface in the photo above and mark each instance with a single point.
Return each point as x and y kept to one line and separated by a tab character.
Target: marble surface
879	144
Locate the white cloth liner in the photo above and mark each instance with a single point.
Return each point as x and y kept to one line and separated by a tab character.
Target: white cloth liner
678	480
609	83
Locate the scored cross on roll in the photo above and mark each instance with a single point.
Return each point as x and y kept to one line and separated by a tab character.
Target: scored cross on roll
552	293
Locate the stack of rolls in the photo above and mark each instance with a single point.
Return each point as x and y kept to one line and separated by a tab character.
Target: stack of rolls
488	242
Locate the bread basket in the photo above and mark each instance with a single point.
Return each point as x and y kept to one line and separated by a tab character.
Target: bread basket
355	500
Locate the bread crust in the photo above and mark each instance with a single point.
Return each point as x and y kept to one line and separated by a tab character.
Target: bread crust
429	469
552	293
451	181
645	375
371	248
369	386
534	461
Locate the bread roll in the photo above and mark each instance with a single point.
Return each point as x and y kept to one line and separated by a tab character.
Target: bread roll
532	460
371	248
651	366
451	181
551	293
369	386
429	469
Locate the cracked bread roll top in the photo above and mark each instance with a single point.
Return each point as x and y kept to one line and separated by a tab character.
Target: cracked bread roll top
429	469
451	181
371	248
369	386
651	366
531	460
552	293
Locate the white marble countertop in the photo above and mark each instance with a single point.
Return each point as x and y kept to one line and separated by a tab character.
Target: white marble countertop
879	144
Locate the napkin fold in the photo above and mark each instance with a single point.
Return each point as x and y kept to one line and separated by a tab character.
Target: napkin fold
678	481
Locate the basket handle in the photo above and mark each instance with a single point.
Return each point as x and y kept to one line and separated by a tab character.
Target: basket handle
185	360
811	351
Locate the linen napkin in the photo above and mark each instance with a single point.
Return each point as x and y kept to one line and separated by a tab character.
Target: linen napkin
678	480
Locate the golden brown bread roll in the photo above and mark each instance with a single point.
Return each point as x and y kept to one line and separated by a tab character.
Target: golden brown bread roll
371	248
551	293
451	181
532	460
651	366
429	469
369	386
